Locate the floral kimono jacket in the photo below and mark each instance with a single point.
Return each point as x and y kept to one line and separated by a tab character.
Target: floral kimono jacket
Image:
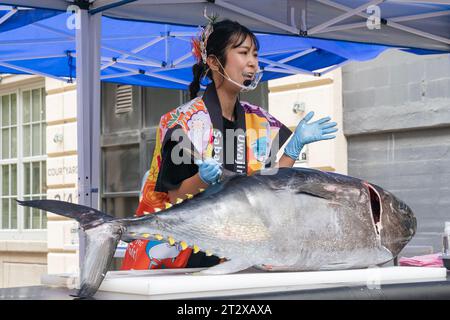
257	138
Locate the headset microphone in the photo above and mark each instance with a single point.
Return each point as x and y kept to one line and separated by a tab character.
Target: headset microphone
247	85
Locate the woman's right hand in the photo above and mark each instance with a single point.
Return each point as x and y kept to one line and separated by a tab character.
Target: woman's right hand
209	170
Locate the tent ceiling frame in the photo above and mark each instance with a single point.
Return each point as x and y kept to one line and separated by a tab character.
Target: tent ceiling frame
391	23
126	54
32	57
348	14
277	66
112	61
420	16
136	50
280	70
44	4
331	68
8	15
396	19
292	57
135	62
285	67
423	1
182	58
343	27
151	74
71	37
31	71
117	75
102	5
34	41
244	12
269	53
179	66
3	7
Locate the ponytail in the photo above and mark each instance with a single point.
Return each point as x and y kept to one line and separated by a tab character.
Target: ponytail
197	70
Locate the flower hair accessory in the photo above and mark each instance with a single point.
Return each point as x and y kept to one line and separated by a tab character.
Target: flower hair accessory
199	43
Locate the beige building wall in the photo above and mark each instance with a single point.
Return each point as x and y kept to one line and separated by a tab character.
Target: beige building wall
62	174
323	95
23	257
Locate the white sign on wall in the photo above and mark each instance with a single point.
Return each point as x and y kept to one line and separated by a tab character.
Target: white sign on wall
62	171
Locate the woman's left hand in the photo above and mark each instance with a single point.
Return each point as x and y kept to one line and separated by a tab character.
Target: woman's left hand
309	132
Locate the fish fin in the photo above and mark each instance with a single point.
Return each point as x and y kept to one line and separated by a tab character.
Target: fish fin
226	267
103	233
228	174
317	195
101	243
87	217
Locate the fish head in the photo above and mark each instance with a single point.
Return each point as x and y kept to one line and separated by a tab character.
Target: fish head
394	220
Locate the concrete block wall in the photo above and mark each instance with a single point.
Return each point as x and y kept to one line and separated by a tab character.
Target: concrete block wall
397	122
62	174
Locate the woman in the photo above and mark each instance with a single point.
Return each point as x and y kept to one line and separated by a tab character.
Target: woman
222	131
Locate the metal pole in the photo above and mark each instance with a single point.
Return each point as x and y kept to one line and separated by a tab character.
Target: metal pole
88	112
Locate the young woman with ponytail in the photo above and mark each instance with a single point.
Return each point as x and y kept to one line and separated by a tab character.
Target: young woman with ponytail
221	131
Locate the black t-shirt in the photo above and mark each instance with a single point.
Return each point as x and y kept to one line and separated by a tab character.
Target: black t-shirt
172	175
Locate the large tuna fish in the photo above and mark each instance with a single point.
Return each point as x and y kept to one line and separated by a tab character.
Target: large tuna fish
296	219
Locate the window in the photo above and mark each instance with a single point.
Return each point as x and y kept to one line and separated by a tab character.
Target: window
9	170
23	158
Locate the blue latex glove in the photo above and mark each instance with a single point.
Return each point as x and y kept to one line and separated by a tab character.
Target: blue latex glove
209	170
309	132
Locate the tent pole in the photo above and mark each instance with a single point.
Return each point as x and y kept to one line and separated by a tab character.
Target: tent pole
118	75
32	58
8	15
343	27
30	71
88	113
284	66
138	49
182	58
152	74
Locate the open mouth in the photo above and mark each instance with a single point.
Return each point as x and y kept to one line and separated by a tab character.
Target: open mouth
375	207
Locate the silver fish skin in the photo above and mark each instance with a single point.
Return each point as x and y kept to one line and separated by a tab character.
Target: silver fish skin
287	219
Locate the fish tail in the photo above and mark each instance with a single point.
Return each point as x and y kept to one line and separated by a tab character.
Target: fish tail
103	233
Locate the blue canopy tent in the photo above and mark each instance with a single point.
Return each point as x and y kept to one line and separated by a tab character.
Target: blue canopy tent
154	54
422	26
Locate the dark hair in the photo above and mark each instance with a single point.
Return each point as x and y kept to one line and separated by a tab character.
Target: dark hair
225	34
